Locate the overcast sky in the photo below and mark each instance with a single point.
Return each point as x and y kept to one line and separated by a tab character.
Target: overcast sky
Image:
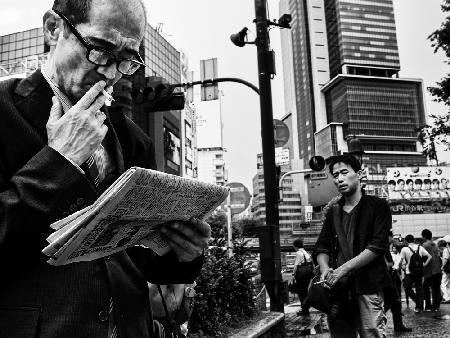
201	28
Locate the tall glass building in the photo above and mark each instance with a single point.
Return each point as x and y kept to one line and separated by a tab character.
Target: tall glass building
362	37
358	92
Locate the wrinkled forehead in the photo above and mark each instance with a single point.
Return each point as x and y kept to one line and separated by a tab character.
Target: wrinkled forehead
126	18
339	166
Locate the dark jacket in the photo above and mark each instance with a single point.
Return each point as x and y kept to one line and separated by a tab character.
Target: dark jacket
372	227
39	186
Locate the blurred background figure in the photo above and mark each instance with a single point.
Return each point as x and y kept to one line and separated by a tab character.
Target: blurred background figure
303	273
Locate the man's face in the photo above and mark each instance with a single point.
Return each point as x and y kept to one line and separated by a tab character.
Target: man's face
401	185
346	179
117	26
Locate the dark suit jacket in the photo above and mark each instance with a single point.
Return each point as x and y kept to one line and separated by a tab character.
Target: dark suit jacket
39	186
372	227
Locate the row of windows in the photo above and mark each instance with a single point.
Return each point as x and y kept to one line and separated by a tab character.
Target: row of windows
37	41
376	49
373	56
377	3
33	33
368	23
392	44
7	57
366	35
372	62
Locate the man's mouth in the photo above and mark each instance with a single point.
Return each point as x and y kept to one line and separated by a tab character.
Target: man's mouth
342	186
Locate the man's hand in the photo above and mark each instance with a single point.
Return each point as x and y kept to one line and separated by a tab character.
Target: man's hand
335	275
79	132
187	240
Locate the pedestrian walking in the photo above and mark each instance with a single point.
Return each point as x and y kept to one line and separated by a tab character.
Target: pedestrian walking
413	255
432	274
445	283
392	294
303	273
351	252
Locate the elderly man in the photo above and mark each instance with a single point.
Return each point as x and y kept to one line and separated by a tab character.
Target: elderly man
52	123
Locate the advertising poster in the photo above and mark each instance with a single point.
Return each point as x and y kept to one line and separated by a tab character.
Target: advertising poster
418	189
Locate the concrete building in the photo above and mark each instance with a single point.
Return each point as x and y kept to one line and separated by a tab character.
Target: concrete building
346	68
173	132
211	165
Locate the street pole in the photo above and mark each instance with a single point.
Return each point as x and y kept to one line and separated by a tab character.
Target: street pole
269	236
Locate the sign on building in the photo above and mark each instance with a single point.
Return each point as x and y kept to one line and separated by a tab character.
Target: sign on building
418	189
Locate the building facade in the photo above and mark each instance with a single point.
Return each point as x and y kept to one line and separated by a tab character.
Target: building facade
211	165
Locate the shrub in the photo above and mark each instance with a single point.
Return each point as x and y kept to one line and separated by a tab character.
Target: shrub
224	288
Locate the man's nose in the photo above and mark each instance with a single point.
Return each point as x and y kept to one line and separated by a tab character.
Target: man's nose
110	72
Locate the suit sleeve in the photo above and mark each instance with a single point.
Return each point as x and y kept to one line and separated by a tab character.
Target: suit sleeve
165	269
46	188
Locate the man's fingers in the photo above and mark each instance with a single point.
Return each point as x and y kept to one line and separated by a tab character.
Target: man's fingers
55	111
86	101
201	226
192	245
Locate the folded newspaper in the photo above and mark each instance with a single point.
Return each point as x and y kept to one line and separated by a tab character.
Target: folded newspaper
130	213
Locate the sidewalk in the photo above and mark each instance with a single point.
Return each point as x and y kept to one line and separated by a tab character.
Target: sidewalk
427	324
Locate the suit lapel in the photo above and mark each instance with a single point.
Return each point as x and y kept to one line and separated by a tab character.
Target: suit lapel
34	103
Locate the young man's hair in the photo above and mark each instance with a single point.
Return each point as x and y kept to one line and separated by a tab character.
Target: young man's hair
401	180
298	243
418	181
409	238
349	160
77	11
409	181
427	234
392	182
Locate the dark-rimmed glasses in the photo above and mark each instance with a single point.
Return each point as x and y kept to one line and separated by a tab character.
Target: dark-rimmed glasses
102	57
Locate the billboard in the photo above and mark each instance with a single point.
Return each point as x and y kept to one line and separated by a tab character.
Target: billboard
418	189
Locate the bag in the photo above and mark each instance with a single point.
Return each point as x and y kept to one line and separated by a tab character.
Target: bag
304	273
415	263
172	305
293	286
446	267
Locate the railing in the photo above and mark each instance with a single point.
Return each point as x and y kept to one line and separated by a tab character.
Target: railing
23	66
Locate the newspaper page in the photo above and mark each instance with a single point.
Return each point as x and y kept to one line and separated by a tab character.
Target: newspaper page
133	216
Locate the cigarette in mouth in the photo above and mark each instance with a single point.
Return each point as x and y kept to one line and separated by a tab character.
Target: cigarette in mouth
109	98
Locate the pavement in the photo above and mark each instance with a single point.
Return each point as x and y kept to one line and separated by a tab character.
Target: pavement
426	324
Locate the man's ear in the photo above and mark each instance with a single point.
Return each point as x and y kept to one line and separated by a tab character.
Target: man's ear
52	26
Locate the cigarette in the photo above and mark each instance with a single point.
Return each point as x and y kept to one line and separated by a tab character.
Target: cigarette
109	98
320	282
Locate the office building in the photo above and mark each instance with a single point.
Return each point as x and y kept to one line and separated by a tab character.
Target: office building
346	79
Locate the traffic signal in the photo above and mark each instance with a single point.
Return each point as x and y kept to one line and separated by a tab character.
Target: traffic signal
158	95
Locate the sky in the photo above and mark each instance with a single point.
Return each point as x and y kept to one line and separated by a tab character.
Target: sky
201	28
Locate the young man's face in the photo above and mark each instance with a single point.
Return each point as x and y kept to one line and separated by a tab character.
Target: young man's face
346	179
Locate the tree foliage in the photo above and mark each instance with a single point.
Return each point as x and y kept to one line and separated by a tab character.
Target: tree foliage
437	133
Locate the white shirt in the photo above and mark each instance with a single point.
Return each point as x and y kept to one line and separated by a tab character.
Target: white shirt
300	257
406	253
446	253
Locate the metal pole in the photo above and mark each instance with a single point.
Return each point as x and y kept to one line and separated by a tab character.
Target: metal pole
280	183
229	227
269	237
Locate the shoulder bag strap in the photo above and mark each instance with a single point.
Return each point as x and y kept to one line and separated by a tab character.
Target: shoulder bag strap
169	319
343	243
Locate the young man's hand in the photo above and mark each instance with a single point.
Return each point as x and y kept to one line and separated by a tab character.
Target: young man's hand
335	275
187	240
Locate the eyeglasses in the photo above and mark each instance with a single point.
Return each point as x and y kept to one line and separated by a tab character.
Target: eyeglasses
102	57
